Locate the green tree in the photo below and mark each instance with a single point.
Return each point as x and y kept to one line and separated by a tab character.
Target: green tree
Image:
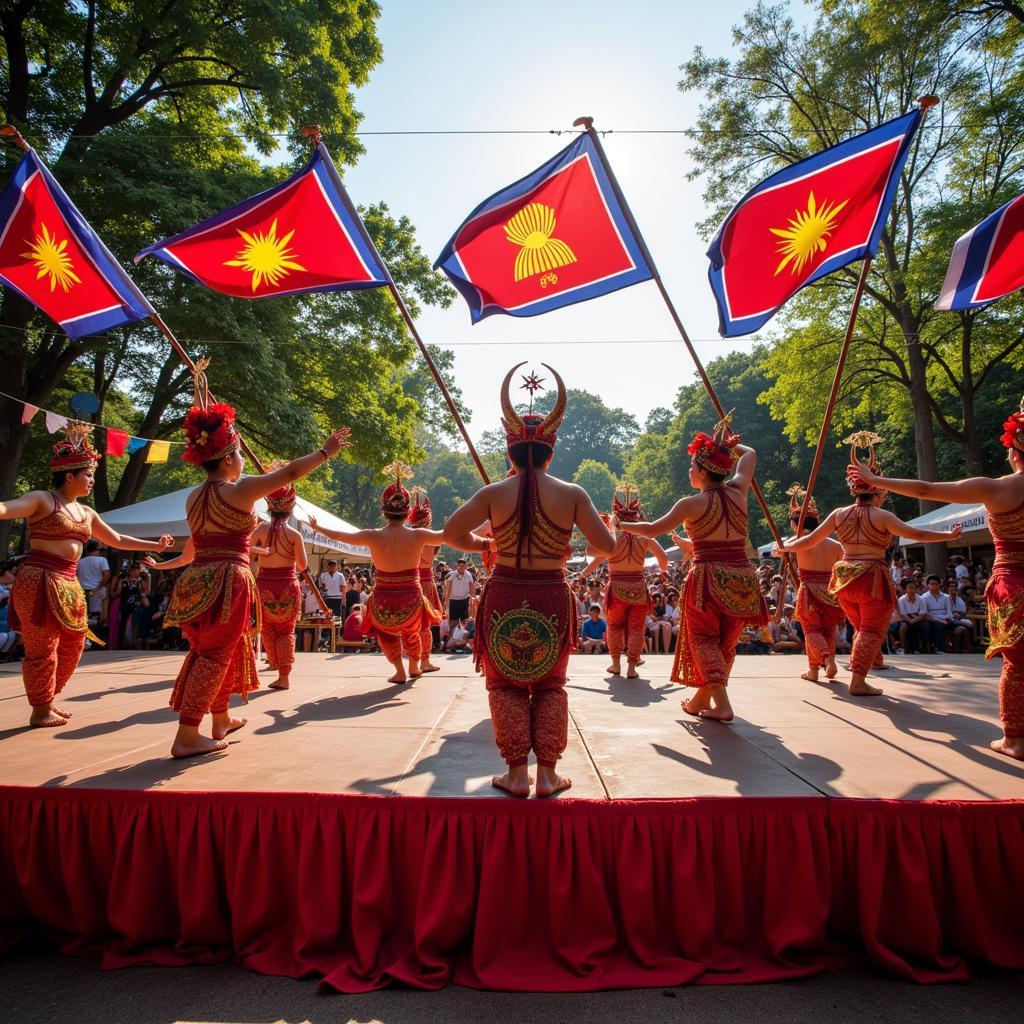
791	92
165	87
598	481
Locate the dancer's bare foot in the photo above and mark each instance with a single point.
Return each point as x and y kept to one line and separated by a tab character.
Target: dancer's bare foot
398	678
631	672
721	709
811	675
699	702
614	669
46	717
280	683
224	724
1010	747
197	747
860	688
516	781
549	782
716	715
427	666
831	668
60	711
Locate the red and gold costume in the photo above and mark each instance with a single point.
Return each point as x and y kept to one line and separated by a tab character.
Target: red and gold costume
627	602
526	626
280	596
720	596
420	518
1004	596
215	599
398	613
862	584
817	610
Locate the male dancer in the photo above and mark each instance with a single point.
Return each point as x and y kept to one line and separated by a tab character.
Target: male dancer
398	612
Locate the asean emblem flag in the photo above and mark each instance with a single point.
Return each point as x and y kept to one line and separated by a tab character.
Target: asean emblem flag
52	257
988	261
556	237
303	235
804	222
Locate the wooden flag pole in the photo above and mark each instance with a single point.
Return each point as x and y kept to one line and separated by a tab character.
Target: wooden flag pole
587	123
314	132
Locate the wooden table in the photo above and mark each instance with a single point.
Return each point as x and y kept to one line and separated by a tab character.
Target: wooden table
334	625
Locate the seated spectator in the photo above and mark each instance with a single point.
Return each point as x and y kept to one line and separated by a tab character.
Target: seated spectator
352	630
909	616
458	642
593	632
938	615
961	626
785	639
660	625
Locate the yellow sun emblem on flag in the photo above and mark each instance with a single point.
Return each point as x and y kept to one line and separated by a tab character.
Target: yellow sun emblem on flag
52	259
531	229
807	234
265	256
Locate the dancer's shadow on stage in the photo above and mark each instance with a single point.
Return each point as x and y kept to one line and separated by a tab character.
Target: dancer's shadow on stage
142	775
155	716
631	693
112	691
463	755
728	750
333	709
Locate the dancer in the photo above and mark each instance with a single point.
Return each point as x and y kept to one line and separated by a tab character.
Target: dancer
47	602
860	579
817	609
421	518
526	625
721	594
627	600
1003	498
398	612
215	598
278	582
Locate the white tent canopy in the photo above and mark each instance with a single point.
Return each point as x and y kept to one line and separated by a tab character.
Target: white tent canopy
166	514
973	517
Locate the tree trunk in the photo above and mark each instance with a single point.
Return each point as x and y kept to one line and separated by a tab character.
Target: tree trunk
935	555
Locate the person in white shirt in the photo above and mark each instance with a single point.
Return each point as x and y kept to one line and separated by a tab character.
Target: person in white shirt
459	638
906	624
332	586
93	568
938	615
963	628
457	590
961	569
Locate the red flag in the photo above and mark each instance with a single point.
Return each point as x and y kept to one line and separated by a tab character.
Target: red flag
805	222
117	441
303	235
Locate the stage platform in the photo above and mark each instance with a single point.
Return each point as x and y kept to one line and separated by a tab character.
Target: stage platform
339	836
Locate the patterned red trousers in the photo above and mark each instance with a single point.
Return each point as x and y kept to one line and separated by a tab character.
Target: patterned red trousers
817	618
867	601
280	597
626	609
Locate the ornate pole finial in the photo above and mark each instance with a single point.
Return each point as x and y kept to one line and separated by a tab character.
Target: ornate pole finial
399	470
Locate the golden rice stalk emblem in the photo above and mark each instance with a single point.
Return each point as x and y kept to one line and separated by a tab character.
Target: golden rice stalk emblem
531	229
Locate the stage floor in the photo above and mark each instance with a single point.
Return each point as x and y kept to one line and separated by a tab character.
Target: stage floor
343	729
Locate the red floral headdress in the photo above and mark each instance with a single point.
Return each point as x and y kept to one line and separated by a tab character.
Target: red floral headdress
73	451
716	452
420	515
395	499
210	430
1013	430
627	509
796	499
283	499
863	439
531	426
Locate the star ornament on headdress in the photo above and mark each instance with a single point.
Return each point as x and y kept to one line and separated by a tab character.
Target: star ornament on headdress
399	470
533	384
863	439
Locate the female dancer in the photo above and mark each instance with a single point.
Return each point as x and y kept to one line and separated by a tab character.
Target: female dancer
526	625
1003	498
46	598
860	579
721	593
215	597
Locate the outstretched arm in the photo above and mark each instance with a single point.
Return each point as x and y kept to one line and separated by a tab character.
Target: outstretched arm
667	523
466	518
814	538
113	539
976	488
592	564
591	525
187	556
654	548
356	537
744	475
898	528
251	488
27	505
684	544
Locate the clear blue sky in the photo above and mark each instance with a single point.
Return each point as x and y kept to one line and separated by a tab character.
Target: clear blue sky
468	64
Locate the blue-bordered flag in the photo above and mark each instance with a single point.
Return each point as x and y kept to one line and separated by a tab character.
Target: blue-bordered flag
804	222
988	261
303	235
554	238
52	257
